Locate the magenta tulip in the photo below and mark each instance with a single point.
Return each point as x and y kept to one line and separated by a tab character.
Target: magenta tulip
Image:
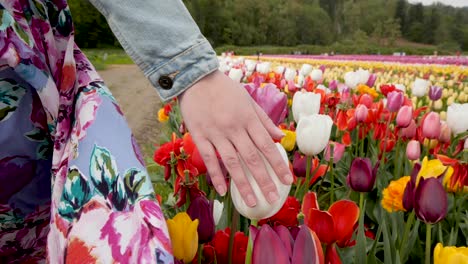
413	150
271	100
404	116
430	201
435	93
202	209
299	165
277	246
431	126
408	195
361	176
395	101
338	151
361	113
371	80
333	85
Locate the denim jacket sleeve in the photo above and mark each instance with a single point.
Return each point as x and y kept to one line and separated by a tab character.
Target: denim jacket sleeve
163	40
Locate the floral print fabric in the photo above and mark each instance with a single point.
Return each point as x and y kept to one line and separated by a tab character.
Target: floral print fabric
73	185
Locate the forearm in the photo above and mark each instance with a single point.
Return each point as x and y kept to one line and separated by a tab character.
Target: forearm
163	40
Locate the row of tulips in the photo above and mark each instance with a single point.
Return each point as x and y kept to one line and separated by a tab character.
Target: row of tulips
390	167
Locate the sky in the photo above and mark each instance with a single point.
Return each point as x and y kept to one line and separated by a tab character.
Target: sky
457	3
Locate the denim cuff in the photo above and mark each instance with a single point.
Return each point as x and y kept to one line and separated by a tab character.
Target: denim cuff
183	70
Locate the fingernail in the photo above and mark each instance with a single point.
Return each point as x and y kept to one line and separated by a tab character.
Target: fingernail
280	132
289	178
272	197
251	200
221	189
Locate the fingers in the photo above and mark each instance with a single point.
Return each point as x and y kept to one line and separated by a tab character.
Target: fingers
255	163
233	165
273	130
266	146
208	155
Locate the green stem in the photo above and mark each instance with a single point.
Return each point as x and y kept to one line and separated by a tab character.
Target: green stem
428	244
248	254
200	253
307	181
396	161
332	175
361	252
408	225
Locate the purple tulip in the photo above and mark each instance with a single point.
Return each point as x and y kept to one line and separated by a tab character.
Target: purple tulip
271	100
277	246
371	80
435	93
408	195
333	85
361	176
395	101
202	209
430	201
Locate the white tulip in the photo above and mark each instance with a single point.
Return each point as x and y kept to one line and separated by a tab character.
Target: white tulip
306	69
363	75
289	74
279	69
313	133
305	104
250	65
401	87
217	211
264	67
300	81
420	87
457	117
351	79
465	147
235	74
224	68
316	75
324	88
263	209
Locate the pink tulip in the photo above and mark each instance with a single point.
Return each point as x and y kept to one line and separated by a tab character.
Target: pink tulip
445	133
431	126
371	80
413	150
395	101
291	86
361	113
409	131
338	151
404	116
366	100
271	100
333	85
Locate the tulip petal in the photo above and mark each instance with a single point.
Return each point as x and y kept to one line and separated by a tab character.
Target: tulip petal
285	236
345	216
321	222
430	201
306	249
267	242
332	257
309	202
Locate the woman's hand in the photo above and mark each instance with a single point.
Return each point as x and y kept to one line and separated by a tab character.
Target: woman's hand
222	117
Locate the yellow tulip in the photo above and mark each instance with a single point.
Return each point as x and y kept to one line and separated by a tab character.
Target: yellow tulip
444	93
184	236
445	255
434	168
289	140
392	200
443	115
162	117
438	104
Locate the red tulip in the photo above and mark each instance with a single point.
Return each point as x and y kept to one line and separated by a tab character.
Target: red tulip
218	248
366	100
287	215
332	257
431	126
404	116
191	149
361	176
300	167
387	88
430	201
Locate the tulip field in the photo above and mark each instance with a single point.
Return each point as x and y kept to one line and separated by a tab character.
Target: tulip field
378	147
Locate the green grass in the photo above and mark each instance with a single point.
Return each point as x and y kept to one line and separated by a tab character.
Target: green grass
101	58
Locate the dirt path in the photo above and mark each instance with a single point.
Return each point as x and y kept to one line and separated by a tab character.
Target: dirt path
138	99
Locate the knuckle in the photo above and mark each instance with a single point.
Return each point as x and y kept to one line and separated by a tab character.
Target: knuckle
207	156
252	158
267	147
232	162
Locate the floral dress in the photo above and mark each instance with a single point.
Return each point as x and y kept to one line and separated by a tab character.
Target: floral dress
73	185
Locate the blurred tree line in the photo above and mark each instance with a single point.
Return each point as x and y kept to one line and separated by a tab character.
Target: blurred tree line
295	22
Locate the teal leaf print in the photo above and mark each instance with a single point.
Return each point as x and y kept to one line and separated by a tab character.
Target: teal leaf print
76	193
36	134
118	196
136	185
10	97
103	170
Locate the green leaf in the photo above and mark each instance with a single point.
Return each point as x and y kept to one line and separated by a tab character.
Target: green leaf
137	185
118	195
103	170
10	97
76	193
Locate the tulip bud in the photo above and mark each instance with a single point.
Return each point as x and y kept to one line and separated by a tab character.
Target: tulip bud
431	126
333	85
200	208
430	201
401	87
279	70
457	118
465	146
413	150
445	133
264	67
404	116
316	75
351	79
361	113
361	176
305	104
306	69
409	131
235	74
408	195
420	87
372	79
395	101
289	74
435	93
438	104
184	236
313	133
338	151
217	211
289	140
263	209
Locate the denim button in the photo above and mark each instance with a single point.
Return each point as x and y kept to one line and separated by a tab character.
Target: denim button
165	82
